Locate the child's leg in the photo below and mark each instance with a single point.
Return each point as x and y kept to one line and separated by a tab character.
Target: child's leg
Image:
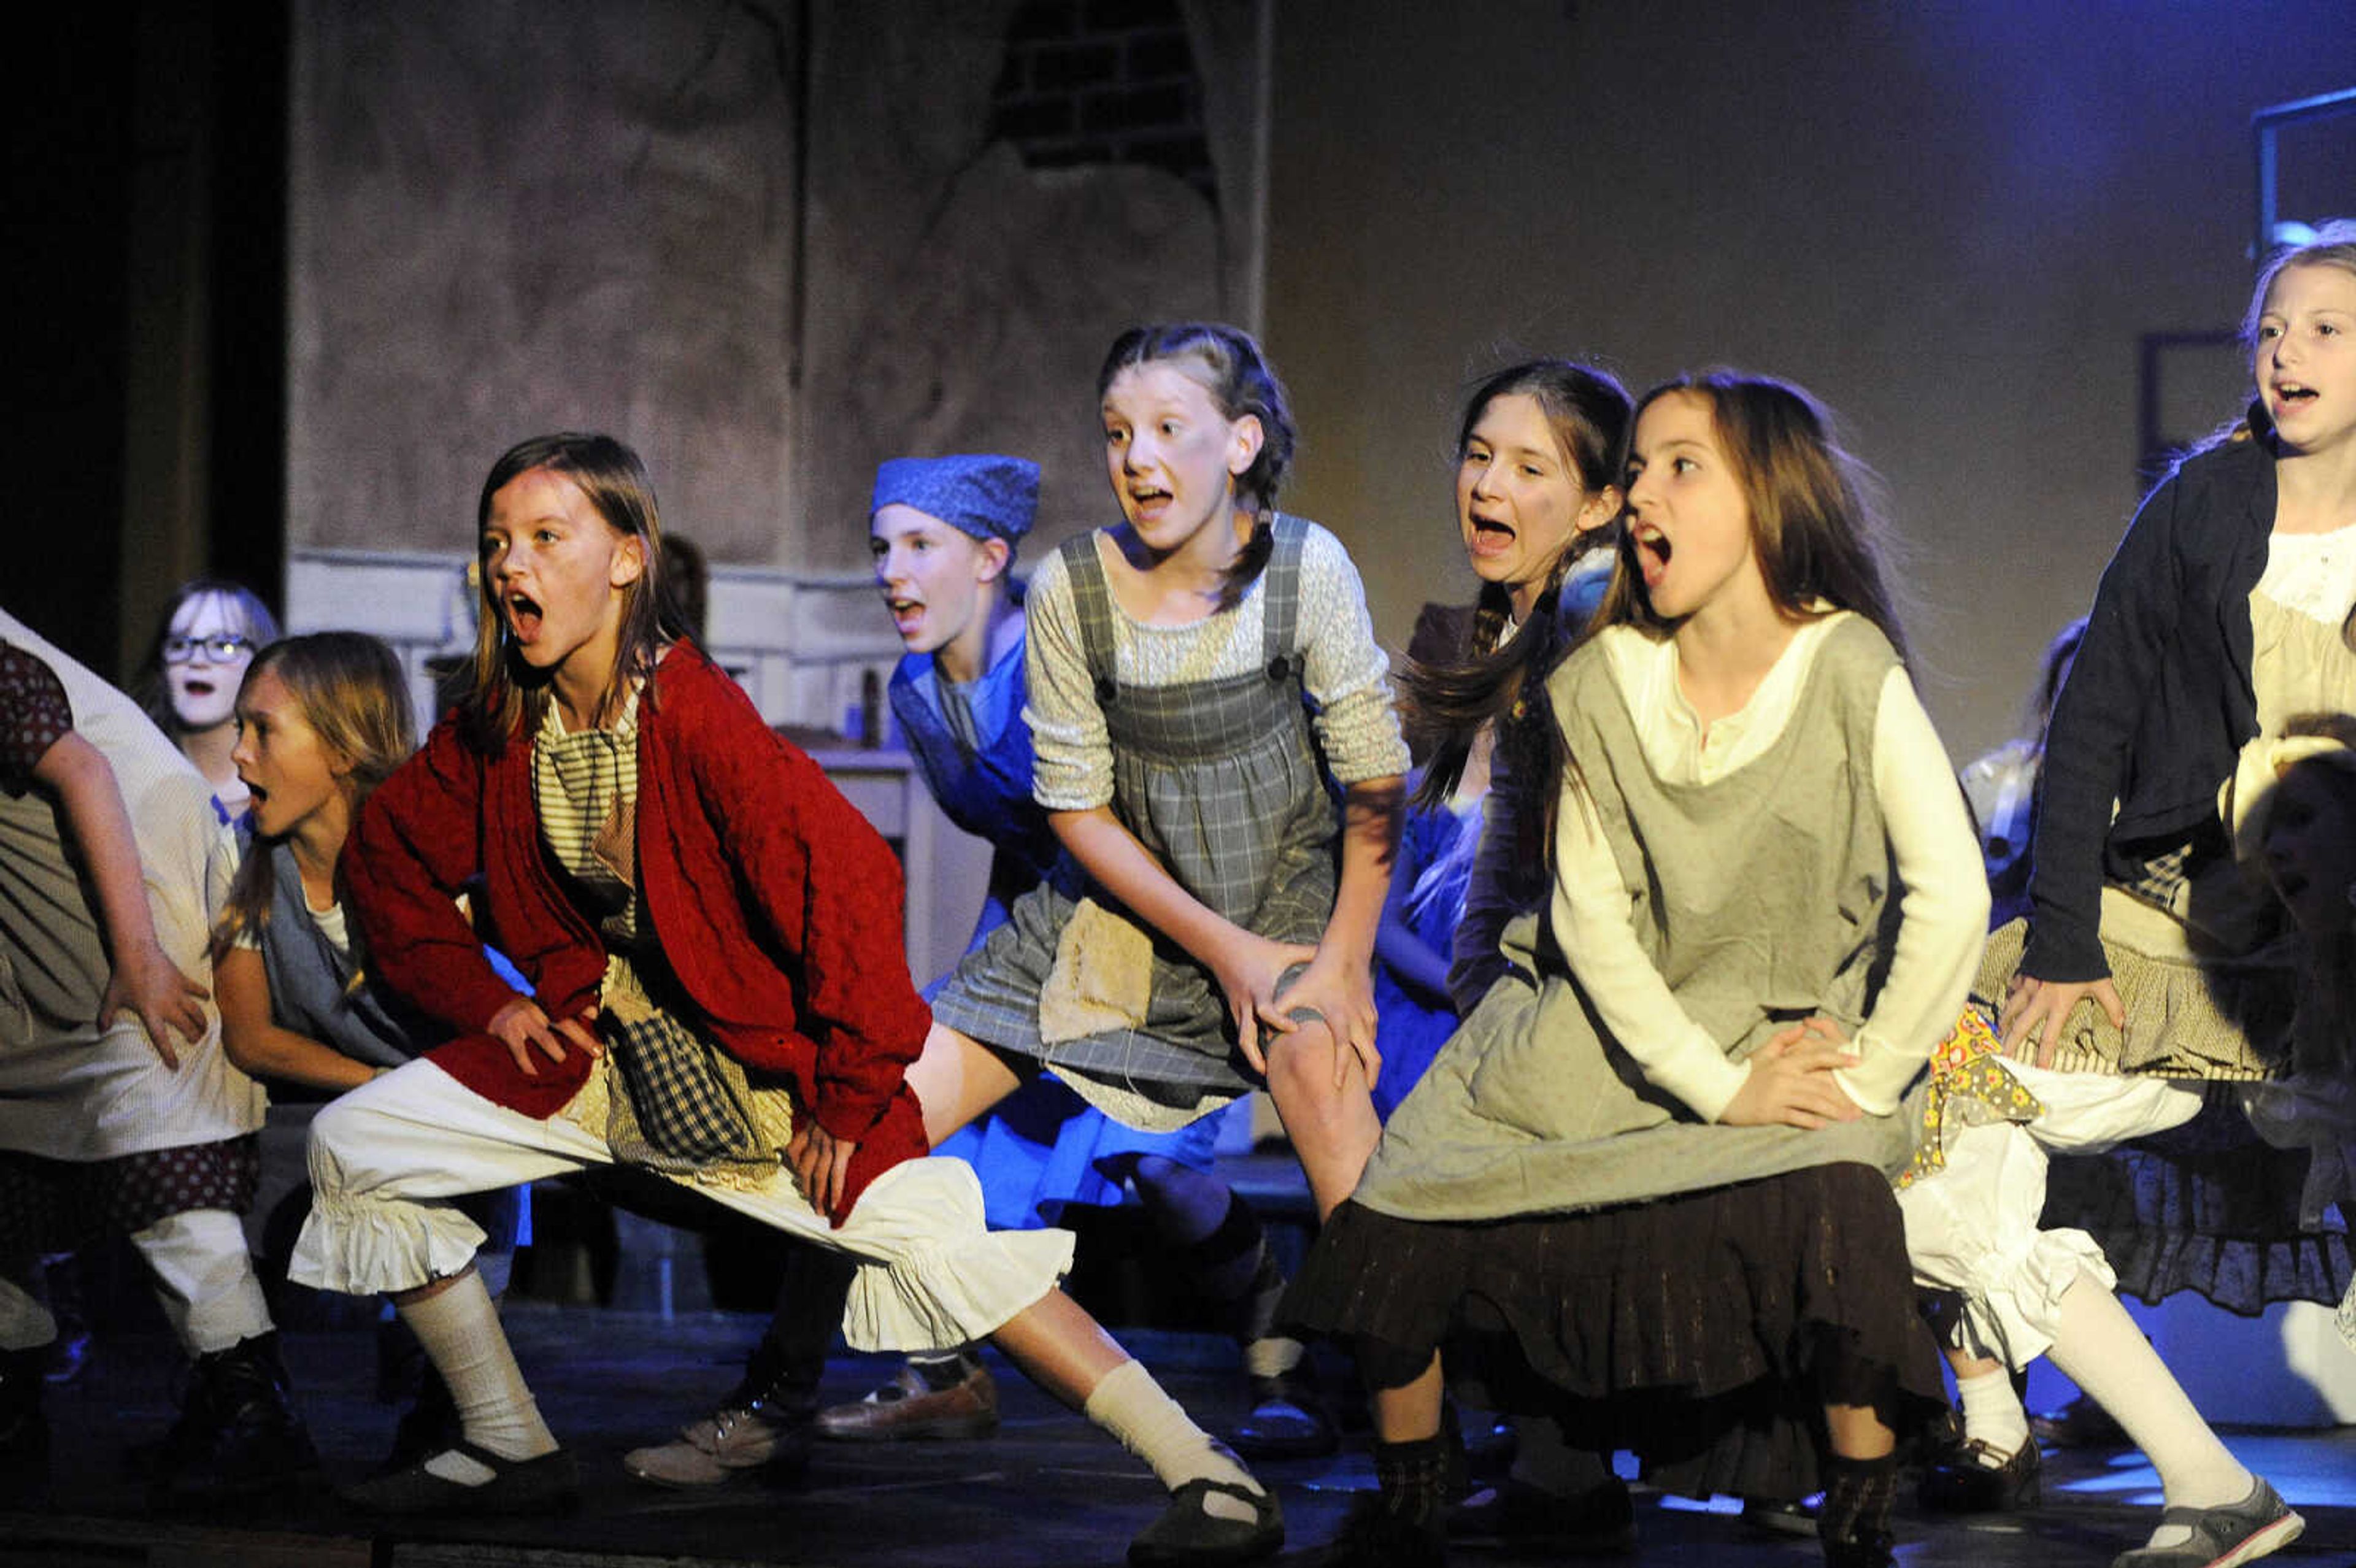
1993	1413
1332	1127
457	1324
2098	1347
1406	1522
765	1424
204	1279
956	1078
1860	1487
938	1276
386	1159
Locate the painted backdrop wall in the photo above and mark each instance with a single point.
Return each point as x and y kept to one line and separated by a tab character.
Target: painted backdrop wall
1953	221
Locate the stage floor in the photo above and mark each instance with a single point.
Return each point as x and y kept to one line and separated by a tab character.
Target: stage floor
1048	1489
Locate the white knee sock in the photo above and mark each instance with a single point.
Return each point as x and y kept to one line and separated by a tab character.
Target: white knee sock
2098	1347
459	1329
1992	1411
1131	1405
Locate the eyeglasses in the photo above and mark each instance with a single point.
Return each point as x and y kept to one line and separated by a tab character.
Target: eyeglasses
219	650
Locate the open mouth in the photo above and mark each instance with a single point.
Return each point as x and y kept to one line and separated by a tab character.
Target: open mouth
2293	394
1148	498
197	688
1491	537
523	616
1652	551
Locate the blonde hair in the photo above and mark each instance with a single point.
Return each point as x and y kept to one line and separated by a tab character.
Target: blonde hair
355	696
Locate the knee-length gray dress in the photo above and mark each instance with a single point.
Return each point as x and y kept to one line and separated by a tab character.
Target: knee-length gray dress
1763	898
1221	780
1584	1245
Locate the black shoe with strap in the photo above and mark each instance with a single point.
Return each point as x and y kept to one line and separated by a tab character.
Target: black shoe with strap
1977	1477
548	1484
238	1433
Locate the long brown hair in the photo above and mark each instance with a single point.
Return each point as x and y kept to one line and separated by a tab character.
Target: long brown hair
1444	704
505	697
1230	365
1813	523
1817	531
355	696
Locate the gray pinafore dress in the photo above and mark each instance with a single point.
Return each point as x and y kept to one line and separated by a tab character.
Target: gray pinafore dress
1222	782
1762	897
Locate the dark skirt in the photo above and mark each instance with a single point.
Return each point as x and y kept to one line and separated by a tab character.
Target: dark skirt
2206	1206
62	1205
1705	1331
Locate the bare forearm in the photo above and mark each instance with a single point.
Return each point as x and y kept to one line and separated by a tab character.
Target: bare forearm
289	1058
261	1047
1370	831
78	774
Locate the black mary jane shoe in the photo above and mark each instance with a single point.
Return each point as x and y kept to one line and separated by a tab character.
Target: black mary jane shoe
1975	1479
1188	1535
546	1485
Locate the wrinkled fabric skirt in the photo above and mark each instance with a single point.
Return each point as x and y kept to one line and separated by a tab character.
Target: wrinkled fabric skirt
1705	1331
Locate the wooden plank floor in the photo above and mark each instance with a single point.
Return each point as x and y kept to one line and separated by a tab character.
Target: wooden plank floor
1048	1489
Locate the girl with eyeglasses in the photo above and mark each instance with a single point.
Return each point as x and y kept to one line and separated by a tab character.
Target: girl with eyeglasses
188	682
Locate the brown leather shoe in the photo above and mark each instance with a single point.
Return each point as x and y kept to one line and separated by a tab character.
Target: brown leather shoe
907	1409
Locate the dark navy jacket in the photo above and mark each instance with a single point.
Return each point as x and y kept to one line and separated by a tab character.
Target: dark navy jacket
2158	704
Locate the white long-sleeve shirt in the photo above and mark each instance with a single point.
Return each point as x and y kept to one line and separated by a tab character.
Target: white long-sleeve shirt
1941	885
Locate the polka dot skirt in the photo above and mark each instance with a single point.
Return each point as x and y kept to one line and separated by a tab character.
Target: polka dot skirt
56	1205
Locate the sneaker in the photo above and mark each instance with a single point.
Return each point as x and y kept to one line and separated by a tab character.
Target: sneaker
763	1425
1188	1535
2257	1526
238	1431
909	1408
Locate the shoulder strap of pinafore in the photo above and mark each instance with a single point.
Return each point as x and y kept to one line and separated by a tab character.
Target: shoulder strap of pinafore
1280	613
1092	597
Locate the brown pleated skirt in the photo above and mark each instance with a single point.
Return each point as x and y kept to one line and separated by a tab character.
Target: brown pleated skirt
1705	1331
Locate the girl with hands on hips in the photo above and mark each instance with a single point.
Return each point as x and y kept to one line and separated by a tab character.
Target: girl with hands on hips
1751	821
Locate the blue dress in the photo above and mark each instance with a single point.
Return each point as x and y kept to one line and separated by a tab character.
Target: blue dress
1435	869
1043	1147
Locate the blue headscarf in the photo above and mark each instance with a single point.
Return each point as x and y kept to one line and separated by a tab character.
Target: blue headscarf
988	497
